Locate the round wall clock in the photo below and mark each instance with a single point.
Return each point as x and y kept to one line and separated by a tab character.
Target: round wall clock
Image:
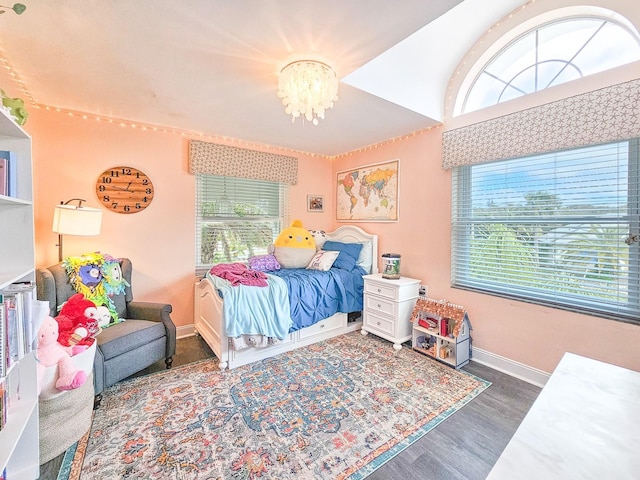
124	189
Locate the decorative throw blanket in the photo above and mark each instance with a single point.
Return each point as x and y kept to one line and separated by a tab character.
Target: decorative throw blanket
251	310
239	274
98	277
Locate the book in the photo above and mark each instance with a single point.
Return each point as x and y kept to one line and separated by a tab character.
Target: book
3	340
12	325
4	176
26	296
3	404
10	182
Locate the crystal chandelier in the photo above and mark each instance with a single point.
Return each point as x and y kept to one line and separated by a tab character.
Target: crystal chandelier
308	88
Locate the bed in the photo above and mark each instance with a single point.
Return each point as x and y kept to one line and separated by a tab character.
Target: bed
210	323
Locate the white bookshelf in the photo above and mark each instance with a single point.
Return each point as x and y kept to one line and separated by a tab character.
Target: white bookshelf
19	442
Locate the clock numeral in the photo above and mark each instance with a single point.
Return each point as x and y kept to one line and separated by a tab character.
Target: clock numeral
106	198
138	206
106	179
115	173
126	208
114	205
145	199
145	181
148	191
126	171
102	188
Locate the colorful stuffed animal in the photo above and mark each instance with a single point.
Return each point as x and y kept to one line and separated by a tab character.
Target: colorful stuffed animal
50	352
320	236
78	321
16	107
294	247
99	277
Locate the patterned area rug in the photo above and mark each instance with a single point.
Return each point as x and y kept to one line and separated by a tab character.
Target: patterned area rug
336	409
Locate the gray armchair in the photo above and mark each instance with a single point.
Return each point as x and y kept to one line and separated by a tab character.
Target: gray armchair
147	335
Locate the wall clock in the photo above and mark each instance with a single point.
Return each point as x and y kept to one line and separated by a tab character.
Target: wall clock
124	189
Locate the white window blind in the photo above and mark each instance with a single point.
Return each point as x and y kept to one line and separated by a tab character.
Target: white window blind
558	229
236	218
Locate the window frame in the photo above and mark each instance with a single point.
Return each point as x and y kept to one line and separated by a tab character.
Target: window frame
460	106
463	221
202	198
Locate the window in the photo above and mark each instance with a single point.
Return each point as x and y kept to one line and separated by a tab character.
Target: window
552	54
236	218
555	229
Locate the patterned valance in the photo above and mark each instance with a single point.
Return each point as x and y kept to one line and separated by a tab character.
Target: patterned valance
224	160
604	115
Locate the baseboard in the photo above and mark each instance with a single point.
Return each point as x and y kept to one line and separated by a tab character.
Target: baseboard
510	367
185	331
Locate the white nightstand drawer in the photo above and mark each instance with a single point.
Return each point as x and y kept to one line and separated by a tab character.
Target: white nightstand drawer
380	305
376	323
387	291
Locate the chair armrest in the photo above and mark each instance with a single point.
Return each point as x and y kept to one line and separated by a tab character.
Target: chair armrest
155	312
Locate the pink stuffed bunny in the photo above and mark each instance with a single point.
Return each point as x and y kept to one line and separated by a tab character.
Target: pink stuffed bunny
50	352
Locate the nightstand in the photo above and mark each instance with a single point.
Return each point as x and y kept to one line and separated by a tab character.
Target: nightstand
387	307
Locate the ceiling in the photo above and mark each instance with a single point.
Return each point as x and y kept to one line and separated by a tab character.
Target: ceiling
210	66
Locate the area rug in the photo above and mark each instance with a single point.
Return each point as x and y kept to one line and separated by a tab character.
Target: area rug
338	409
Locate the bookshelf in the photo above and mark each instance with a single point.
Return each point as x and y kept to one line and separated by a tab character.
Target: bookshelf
19	450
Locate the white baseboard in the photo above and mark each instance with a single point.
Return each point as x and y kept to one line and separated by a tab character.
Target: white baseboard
510	367
185	331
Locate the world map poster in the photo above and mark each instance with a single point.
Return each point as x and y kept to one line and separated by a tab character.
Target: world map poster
368	193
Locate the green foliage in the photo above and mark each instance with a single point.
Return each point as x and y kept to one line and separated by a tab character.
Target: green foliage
232	241
18	8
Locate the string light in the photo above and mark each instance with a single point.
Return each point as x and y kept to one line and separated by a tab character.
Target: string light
189	133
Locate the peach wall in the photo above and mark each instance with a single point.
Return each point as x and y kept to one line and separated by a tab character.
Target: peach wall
69	153
531	335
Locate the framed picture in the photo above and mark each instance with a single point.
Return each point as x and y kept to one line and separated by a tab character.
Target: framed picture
315	203
368	193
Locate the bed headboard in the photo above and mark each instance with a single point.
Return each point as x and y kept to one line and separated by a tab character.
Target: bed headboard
353	234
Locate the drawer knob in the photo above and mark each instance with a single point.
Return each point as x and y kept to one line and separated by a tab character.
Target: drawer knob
379	290
322	325
378	323
379	305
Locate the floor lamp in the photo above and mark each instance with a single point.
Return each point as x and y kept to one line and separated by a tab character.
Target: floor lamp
69	219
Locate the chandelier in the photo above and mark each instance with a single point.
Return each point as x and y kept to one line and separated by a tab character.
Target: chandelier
307	88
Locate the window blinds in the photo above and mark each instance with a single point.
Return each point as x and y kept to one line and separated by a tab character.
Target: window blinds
555	229
236	218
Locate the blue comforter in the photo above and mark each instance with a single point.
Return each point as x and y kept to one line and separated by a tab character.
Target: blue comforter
295	298
314	295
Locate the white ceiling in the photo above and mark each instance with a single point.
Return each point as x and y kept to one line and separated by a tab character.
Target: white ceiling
210	66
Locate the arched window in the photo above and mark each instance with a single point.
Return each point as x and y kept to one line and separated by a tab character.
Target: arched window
551	54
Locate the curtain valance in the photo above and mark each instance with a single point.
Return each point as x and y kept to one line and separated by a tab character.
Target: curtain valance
224	160
601	116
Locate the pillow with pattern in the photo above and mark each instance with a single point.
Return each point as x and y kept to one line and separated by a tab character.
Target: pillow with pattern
264	263
322	260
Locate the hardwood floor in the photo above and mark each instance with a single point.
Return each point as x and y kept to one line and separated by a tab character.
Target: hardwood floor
465	446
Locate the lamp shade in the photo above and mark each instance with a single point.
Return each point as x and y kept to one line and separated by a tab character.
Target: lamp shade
76	220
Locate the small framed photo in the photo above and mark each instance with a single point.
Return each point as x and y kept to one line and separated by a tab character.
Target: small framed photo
315	203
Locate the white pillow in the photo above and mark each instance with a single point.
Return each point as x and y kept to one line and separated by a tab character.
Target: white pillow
365	259
322	260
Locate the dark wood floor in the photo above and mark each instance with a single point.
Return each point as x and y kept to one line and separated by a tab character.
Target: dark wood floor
463	447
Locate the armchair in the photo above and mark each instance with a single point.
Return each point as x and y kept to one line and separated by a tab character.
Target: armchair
147	335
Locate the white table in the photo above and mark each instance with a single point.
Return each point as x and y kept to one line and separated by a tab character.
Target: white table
585	424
